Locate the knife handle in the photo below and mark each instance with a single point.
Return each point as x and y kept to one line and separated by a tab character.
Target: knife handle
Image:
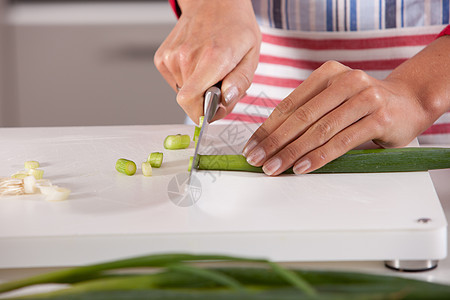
212	101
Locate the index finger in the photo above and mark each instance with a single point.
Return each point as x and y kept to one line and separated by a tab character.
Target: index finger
209	70
311	87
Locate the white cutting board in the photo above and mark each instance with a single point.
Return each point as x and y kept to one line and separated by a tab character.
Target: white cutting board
315	217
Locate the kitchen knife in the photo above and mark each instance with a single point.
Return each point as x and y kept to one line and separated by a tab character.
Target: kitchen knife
210	107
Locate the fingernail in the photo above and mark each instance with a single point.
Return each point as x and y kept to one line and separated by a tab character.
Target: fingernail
302	166
272	166
256	156
231	94
249	147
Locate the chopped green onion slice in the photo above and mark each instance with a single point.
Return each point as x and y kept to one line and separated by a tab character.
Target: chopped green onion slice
29	185
173	142
31	164
155	159
126	166
191	161
196	133
37	173
146	168
20	175
55	193
198	129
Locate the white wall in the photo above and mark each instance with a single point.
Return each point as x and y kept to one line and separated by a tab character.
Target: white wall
2	67
90	64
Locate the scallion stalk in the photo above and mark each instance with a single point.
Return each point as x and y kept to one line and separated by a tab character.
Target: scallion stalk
155	159
37	173
146	168
174	142
198	128
355	161
31	164
126	166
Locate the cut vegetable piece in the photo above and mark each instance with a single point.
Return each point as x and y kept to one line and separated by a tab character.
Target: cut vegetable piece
198	129
37	173
11	186
31	164
196	133
155	159
146	168
354	161
55	193
46	189
174	142
126	166
20	175
29	185
191	161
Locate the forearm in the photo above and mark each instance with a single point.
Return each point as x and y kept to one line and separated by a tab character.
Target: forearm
427	75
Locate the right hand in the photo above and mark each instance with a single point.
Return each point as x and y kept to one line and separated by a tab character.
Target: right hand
213	40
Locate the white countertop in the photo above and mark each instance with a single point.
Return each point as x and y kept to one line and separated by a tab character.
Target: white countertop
440	179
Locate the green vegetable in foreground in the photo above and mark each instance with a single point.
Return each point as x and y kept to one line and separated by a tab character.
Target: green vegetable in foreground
126	166
180	276
155	159
354	161
174	142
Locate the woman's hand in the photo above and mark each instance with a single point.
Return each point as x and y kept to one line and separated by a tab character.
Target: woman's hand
212	41
337	109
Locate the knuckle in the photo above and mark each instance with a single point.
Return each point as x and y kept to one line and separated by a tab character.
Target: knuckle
212	50
158	58
332	66
292	153
345	141
286	106
320	156
183	99
303	115
261	133
374	93
184	54
273	141
244	78
384	120
322	130
359	77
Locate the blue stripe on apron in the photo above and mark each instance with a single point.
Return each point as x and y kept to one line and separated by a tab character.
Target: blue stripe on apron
390	14
445	11
353	25
277	19
329	15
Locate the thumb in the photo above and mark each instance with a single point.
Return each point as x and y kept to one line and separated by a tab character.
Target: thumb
237	82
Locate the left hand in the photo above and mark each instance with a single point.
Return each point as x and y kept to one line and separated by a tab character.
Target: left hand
333	111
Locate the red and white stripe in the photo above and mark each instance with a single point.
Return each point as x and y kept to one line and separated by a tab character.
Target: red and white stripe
289	57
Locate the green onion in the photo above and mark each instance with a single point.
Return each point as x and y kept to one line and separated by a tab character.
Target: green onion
354	161
198	129
182	276
191	161
20	175
174	142
196	133
37	173
155	159
126	166
31	164
146	168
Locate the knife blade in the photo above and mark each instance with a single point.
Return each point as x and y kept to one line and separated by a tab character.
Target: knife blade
211	105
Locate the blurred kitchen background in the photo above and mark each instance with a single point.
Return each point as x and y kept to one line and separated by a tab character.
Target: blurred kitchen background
66	63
